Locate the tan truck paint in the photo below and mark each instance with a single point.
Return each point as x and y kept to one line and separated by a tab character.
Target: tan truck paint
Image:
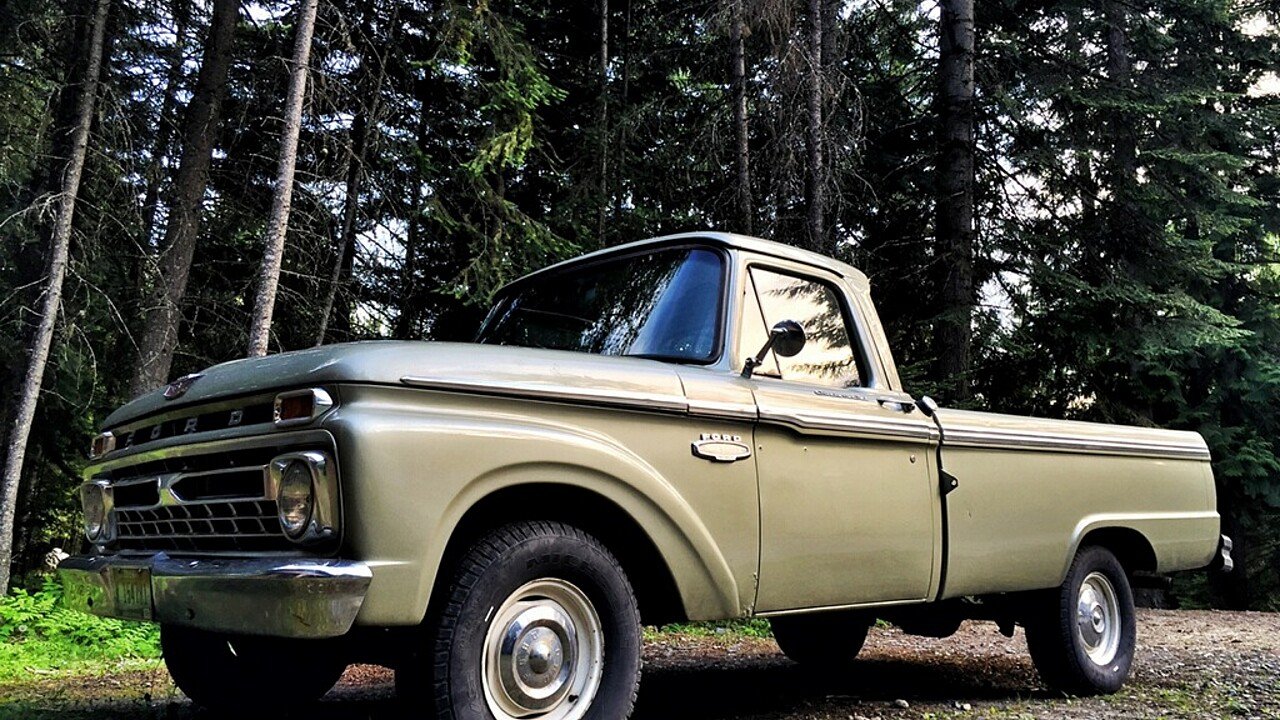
838	505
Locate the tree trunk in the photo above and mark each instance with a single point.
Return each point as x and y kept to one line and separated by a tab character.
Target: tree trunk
269	279
955	196
160	339
623	139
165	123
814	173
602	126
60	245
1119	70
350	207
369	96
742	135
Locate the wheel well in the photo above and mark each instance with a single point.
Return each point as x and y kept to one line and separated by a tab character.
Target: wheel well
1130	547
654	586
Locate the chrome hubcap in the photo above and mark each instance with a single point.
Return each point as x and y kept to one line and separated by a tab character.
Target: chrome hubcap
543	653
1098	619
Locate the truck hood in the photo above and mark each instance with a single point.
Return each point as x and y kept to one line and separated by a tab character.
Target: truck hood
399	362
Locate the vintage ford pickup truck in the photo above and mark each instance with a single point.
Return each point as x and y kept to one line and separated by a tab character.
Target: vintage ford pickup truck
694	427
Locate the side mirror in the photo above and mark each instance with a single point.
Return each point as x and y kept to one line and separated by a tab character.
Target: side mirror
927	405
787	339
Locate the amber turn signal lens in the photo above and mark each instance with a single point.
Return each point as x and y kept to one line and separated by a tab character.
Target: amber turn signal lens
300	406
295	407
102	444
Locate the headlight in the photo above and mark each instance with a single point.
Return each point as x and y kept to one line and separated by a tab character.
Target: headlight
295	498
305	487
93	498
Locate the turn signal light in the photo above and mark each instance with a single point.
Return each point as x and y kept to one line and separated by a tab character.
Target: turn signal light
102	444
301	406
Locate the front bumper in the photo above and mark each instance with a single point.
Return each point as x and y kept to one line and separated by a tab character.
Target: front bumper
284	597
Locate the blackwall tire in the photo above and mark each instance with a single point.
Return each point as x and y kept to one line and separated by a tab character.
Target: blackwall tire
821	640
1082	635
540	621
227	672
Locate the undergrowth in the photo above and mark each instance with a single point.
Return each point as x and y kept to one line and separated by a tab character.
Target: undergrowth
38	632
749	627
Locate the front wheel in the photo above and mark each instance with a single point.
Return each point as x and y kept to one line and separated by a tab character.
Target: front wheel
540	622
1082	635
233	672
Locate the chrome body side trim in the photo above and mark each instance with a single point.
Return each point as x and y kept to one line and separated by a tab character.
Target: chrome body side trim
908	429
980	437
283	597
887	428
722	410
590	396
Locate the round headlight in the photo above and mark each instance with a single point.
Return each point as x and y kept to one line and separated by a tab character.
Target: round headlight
295	497
93	497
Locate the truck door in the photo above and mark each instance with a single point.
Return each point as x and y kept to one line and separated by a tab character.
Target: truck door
849	509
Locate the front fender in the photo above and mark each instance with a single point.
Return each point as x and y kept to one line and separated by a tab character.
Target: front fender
413	463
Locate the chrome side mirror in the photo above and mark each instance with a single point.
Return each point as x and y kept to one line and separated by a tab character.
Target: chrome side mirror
787	339
927	405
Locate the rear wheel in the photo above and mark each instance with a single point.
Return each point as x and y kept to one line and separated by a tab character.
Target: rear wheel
821	640
235	671
1082	635
540	622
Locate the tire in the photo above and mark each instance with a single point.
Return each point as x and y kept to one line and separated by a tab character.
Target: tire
821	640
1079	653
228	672
538	603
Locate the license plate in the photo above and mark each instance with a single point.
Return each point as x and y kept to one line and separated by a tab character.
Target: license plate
132	588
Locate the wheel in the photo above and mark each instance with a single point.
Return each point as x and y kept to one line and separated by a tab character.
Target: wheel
1081	635
822	640
540	622
230	672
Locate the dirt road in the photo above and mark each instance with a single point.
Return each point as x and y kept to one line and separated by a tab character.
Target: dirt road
1190	665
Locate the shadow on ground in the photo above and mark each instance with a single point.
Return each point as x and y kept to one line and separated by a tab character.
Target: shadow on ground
750	687
770	688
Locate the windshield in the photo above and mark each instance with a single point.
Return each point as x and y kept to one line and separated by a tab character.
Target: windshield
664	304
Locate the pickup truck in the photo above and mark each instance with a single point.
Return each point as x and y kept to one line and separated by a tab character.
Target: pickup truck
693	427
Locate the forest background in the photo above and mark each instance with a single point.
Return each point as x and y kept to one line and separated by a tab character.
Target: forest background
1067	208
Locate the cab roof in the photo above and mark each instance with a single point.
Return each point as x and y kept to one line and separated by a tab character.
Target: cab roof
726	240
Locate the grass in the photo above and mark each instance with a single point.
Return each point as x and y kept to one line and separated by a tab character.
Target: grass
752	627
38	634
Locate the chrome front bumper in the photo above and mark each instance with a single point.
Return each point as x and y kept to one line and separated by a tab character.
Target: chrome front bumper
284	597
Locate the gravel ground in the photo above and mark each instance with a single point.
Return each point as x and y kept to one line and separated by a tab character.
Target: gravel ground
1190	665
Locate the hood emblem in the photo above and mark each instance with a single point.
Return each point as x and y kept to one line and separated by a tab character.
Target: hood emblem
179	387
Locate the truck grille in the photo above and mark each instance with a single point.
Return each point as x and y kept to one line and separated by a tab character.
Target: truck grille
199	504
247	525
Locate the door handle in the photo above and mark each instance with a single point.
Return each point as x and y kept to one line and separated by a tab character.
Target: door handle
902	406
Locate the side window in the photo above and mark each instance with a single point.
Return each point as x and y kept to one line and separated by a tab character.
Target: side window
828	357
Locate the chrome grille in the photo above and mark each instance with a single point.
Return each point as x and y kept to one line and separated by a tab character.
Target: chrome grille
206	504
250	525
205	498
